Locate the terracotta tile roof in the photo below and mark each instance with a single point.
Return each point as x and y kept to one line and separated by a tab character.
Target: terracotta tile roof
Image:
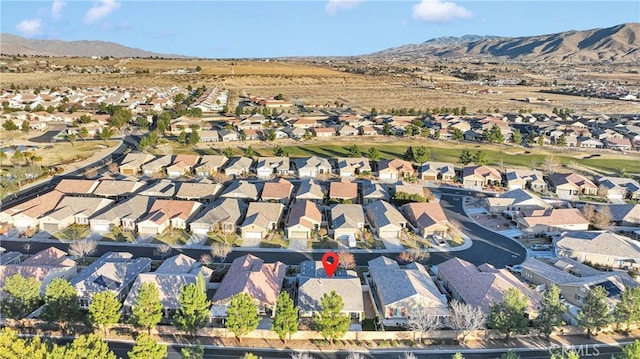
163	209
554	217
67	185
343	190
426	214
277	190
305	213
38	206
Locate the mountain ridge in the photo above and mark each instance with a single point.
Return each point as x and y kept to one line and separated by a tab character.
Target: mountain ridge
620	43
11	44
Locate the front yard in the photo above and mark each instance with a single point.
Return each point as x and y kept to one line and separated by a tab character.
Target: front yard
172	237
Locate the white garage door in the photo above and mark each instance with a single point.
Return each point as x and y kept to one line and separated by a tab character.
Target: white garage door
100	228
253	235
389	234
294	234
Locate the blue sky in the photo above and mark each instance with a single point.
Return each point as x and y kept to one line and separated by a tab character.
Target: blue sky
227	29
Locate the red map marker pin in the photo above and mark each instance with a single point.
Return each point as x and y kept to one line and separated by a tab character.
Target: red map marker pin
330	267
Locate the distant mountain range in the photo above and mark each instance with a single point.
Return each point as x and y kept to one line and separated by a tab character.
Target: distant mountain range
619	43
12	45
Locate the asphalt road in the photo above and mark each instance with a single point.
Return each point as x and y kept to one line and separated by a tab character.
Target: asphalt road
599	351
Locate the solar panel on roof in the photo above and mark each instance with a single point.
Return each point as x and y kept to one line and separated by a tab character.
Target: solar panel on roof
612	289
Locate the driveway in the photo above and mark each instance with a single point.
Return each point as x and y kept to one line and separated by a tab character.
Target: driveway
298	245
251	242
393	244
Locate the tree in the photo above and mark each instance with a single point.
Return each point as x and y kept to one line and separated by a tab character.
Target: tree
541	138
346	260
83	347
280	151
551	165
457	356
627	310
458	135
249	152
60	302
25	127
250	356
373	154
83	133
408	154
13	346
330	321
354	151
242	315
9	125
146	347
595	313
227	152
466	319
147	310
193	137
602	218
21	296
509	317
631	351
221	250
373	112
562	140
421	155
551	311
286	317
182	138
105	134
465	157
104	309
480	158
509	355
516	137
83	248
71	138
194	352
271	135
423	322
194	307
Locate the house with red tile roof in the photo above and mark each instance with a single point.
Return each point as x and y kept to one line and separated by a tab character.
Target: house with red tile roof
395	169
249	274
43	266
552	220
305	218
277	192
260	219
343	191
26	214
567	185
167	213
428	218
478	177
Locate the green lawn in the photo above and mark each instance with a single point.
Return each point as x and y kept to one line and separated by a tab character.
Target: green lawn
325	243
232	239
173	237
73	233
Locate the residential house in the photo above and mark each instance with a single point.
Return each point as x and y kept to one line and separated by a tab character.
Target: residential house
269	166
160	189
229	136
618	144
346	130
313	283
43	266
252	135
118	189
620	188
204	192
113	271
552	220
247	191
311	167
249	274
167	214
428	218
224	215
324	131
156	166
372	192
567	185
478	177
437	171
385	219
72	210
238	166
304	220
347	222
207	136
277	192
77	187
484	285
182	165
169	278
392	170
132	163
588	142
343	191
514	201
574	279
369	131
525	179
412	189
25	215
624	215
599	247
124	215
261	218
310	190
351	167
401	293
210	165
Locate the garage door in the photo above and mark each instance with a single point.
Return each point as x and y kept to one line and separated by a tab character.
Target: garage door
298	235
100	227
253	235
50	227
389	234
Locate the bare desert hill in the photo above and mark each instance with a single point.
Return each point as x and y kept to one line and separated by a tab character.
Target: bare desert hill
12	45
619	43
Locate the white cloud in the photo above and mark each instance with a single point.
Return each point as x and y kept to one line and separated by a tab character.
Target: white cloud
30	27
439	11
56	8
100	10
333	6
